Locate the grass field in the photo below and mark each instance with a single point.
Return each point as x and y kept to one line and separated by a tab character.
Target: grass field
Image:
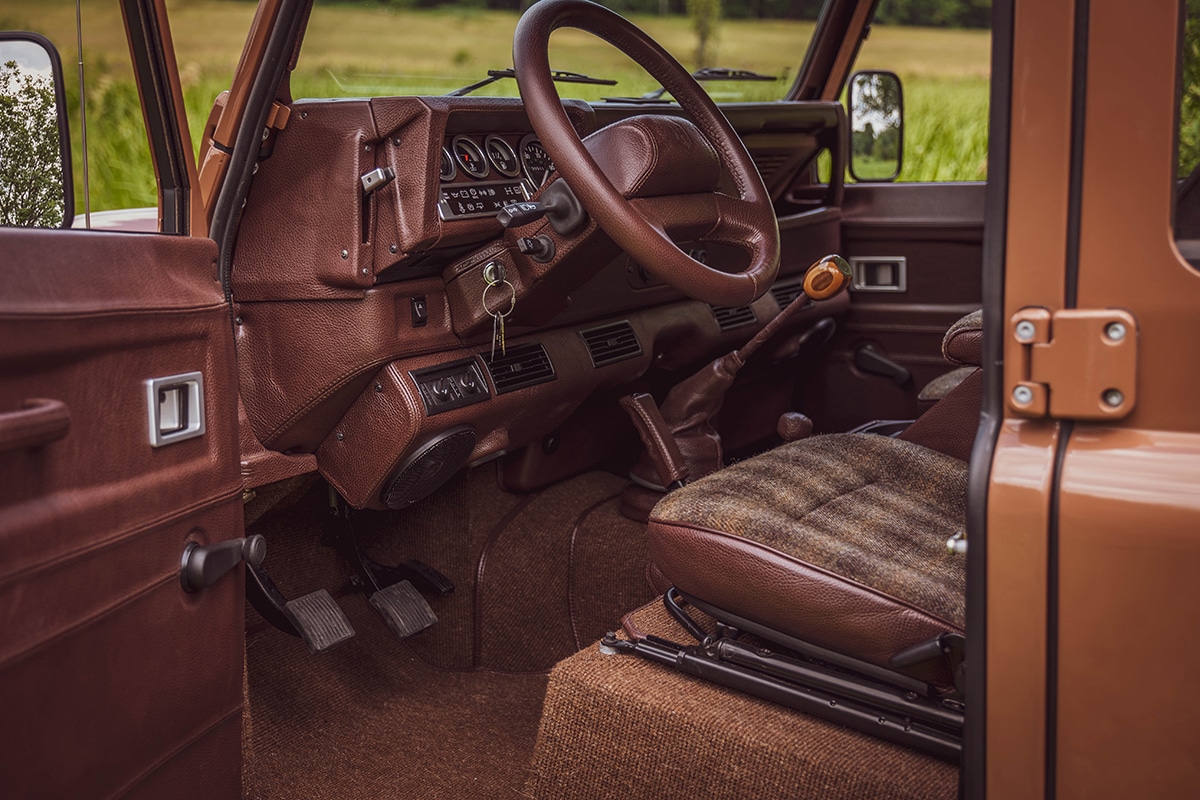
356	50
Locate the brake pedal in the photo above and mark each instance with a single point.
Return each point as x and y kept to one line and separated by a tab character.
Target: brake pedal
403	609
320	621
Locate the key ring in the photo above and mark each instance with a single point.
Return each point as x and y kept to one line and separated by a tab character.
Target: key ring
512	300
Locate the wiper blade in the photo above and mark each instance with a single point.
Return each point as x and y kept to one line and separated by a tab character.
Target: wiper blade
558	75
726	74
705	74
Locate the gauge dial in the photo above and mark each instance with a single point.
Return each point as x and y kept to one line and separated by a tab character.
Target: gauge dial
536	161
469	157
449	170
502	157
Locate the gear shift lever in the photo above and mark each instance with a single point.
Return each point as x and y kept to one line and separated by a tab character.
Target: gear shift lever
688	410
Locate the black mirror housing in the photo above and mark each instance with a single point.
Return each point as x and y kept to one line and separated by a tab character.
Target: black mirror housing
876	117
36	187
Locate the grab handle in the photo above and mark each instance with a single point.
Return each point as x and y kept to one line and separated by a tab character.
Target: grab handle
39	422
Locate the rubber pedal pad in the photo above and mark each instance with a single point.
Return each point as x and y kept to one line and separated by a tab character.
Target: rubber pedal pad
320	621
403	609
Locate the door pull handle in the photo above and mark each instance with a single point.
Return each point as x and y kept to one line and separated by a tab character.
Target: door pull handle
39	422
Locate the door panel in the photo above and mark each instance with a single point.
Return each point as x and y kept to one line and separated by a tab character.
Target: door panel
1129	519
938	230
112	679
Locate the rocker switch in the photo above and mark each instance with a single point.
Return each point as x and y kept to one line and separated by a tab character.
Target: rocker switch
420	312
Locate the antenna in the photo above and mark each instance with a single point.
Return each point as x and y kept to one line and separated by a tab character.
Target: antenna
87	195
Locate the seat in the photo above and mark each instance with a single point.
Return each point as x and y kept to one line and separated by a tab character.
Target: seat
837	540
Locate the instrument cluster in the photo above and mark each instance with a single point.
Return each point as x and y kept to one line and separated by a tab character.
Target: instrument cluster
480	174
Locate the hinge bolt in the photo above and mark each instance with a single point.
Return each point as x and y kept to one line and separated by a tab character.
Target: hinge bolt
1115	331
1113	398
266	134
1025	331
1022	395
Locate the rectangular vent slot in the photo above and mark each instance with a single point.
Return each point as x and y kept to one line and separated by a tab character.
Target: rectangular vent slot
769	165
609	344
731	318
786	293
522	366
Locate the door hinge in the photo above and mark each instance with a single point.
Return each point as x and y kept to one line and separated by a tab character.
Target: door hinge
1073	363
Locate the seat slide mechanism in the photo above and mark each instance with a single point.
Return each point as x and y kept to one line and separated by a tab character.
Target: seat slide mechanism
391	590
885	704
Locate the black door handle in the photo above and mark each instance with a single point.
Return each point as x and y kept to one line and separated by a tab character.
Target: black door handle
871	361
204	565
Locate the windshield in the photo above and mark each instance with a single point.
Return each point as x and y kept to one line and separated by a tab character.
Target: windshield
372	48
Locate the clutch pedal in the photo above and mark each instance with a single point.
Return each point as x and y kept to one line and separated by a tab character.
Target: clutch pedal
315	617
320	621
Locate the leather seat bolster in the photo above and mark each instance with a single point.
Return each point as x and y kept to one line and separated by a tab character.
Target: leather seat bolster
788	595
949	426
963	343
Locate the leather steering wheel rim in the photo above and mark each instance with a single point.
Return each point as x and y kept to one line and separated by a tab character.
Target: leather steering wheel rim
747	221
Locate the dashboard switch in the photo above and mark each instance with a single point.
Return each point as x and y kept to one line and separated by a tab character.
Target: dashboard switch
377	179
540	249
420	312
446	387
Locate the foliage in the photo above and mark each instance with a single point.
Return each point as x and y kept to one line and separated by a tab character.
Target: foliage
31	178
935	13
705	16
1189	104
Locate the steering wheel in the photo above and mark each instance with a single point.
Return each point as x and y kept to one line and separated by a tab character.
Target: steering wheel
746	221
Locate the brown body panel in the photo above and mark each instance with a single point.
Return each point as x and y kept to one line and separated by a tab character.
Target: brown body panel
1022	468
1129	525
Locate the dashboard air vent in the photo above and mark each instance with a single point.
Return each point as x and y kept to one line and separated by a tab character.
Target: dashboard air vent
769	165
609	344
522	366
786	293
730	318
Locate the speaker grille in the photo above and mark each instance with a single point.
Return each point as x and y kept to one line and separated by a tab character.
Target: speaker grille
431	466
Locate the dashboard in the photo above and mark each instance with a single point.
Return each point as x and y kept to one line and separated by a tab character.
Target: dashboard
362	331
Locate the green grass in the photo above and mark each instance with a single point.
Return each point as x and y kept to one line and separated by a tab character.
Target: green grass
356	50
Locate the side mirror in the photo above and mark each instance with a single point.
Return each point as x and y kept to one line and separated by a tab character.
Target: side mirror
876	126
35	143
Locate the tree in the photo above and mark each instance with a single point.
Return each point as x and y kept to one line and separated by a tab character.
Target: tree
705	16
31	177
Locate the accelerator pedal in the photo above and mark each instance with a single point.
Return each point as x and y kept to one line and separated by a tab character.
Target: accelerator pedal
319	621
403	609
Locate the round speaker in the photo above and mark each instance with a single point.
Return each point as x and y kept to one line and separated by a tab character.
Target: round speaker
429	467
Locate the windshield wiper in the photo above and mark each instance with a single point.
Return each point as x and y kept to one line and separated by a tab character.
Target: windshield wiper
705	74
558	75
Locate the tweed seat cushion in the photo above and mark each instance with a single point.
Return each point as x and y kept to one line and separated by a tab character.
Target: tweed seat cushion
839	540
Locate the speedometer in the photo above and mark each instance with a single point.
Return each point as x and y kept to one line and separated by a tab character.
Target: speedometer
536	161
